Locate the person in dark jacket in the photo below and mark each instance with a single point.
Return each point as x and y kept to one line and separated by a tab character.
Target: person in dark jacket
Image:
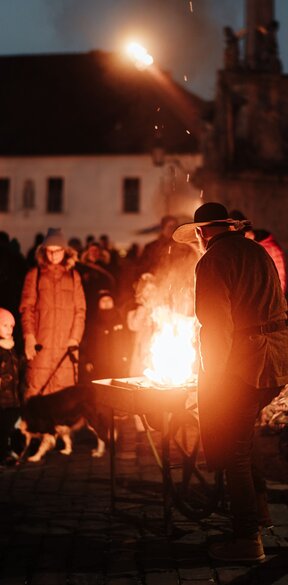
9	385
162	255
244	363
94	275
31	254
103	352
172	263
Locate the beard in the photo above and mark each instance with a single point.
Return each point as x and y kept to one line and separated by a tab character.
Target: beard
202	243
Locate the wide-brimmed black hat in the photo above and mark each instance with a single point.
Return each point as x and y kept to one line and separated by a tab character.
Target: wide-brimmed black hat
207	214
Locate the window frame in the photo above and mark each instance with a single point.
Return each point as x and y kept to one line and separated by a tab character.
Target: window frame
128	207
7	191
52	208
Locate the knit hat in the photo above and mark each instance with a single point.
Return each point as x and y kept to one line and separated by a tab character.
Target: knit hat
103	292
213	214
54	237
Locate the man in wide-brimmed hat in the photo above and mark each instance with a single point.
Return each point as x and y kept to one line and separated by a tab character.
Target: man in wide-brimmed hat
244	362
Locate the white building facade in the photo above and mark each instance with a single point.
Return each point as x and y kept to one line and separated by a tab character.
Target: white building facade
117	195
77	138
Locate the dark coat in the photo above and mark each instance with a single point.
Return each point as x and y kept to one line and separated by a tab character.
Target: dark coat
237	287
94	279
104	346
9	378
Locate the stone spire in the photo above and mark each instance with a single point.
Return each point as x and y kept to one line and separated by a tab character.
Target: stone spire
261	47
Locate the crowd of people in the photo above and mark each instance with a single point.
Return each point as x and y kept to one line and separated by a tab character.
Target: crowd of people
72	306
73	312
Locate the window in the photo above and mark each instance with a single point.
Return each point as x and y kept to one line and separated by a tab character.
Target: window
55	195
4	195
29	194
131	195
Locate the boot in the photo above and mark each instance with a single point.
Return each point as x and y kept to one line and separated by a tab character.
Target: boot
246	549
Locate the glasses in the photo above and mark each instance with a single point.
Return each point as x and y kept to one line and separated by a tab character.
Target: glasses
52	252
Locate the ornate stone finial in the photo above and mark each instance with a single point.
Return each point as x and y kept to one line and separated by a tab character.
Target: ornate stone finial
261	47
231	54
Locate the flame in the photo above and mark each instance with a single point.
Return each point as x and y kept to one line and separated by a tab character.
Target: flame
172	358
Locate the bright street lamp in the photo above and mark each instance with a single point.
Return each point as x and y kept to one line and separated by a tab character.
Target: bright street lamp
139	55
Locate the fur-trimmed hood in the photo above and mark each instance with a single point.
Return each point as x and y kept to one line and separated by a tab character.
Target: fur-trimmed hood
68	262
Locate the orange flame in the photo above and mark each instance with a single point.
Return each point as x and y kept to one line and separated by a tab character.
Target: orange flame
172	359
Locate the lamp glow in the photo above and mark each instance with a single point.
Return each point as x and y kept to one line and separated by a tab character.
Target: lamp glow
139	55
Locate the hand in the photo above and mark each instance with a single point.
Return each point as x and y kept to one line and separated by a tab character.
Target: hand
89	367
73	347
72	343
30	343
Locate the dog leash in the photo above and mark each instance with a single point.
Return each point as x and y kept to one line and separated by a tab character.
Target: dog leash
69	351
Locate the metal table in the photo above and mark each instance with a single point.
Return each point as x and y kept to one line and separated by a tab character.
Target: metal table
127	395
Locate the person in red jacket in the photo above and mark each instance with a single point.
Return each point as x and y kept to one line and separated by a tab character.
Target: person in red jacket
268	241
244	362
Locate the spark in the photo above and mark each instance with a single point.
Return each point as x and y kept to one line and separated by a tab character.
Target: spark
191	6
156	127
188	132
185	78
158	109
187	177
201	194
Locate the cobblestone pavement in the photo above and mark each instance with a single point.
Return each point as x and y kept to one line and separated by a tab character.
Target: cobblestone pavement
57	527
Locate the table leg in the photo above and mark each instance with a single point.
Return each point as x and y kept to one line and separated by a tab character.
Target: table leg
166	473
112	461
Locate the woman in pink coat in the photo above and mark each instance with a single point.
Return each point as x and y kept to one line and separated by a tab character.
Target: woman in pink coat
53	312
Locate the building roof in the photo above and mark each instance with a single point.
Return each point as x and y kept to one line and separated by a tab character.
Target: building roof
92	103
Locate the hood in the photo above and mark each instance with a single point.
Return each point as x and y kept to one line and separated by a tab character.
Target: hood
69	260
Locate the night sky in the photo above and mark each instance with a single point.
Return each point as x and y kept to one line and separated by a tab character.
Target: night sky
185	38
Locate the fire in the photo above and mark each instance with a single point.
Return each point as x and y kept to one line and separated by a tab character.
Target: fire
172	359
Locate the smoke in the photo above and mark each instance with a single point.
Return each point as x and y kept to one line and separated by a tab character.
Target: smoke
184	37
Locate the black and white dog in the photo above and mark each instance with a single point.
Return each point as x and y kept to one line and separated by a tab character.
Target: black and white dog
59	415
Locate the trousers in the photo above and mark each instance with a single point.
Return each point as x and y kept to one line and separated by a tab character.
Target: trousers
227	417
245	480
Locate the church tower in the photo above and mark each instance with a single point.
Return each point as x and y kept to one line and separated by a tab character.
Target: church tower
245	135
